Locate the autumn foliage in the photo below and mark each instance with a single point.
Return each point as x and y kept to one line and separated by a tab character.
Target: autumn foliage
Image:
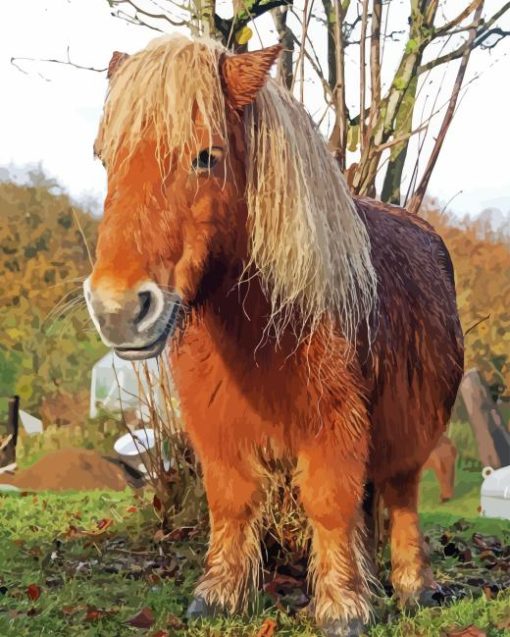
47	346
481	258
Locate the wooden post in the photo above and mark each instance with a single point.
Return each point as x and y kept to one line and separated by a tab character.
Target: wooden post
492	438
8	453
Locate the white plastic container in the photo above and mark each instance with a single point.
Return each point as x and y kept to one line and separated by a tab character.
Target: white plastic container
495	493
117	385
30	424
135	449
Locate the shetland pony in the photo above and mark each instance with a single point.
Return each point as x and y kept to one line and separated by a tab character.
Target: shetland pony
303	324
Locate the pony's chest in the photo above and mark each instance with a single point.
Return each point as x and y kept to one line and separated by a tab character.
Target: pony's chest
224	392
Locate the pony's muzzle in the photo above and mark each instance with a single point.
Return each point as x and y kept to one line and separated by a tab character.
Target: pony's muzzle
135	322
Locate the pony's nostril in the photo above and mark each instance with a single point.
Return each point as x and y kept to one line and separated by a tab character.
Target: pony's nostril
145	304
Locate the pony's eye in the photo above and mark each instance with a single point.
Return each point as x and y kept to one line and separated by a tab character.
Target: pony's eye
206	159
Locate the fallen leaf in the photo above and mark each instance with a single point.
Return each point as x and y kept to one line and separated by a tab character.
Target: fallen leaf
154	579
143	619
161	633
268	628
469	631
94	614
132	509
488	592
34	592
101	527
73	531
466	556
504	622
174	622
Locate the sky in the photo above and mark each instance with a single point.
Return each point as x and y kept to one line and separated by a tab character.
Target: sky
49	113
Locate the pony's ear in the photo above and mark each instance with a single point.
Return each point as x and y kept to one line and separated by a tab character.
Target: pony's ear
244	74
117	59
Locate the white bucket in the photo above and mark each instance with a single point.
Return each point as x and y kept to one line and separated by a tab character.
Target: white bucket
135	449
495	493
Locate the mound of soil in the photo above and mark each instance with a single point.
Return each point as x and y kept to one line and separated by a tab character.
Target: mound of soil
76	469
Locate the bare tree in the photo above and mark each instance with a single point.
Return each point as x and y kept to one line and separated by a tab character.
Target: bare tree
386	121
322	40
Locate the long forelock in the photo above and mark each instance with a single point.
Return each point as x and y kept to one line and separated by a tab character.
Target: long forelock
308	244
155	92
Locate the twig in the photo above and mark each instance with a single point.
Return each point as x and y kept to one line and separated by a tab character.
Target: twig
149	14
445	28
475	325
482	29
443	209
80	229
67	62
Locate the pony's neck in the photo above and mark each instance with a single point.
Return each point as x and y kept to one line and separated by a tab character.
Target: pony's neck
233	308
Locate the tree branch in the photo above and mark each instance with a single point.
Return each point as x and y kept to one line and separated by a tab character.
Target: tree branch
483	31
148	14
67	62
417	198
286	38
375	66
339	136
445	28
362	71
315	64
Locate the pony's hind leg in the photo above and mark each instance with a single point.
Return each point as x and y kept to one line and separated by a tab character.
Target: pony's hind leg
331	485
411	575
235	494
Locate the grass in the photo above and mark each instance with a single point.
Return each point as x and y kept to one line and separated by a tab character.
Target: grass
93	576
466	498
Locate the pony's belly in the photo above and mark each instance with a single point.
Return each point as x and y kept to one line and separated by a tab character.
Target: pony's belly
406	425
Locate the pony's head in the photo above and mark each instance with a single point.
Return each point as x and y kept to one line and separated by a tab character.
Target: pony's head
212	166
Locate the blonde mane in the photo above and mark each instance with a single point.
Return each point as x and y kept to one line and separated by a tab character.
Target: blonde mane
308	243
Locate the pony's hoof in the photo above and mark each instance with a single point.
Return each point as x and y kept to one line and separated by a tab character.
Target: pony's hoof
429	597
199	609
425	598
338	628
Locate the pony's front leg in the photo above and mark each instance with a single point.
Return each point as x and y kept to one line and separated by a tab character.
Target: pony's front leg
331	476
235	494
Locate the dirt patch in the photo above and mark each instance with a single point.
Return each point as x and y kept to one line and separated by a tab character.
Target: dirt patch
76	469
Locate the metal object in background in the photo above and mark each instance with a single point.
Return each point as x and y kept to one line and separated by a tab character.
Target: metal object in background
8	448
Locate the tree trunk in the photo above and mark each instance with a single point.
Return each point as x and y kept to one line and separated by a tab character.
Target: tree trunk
391	192
285	70
492	438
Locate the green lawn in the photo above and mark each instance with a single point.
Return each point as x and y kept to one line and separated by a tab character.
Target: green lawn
64	571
